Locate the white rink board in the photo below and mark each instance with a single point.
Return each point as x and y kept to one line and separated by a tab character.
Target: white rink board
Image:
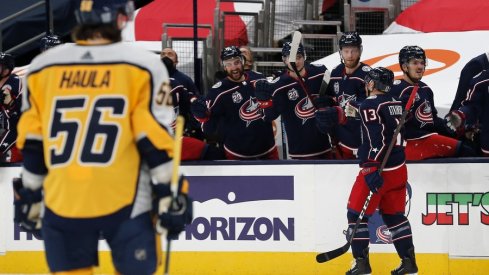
305	209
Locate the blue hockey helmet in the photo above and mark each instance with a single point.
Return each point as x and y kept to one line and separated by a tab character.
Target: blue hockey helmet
350	39
230	52
383	78
287	47
95	12
49	41
7	61
409	52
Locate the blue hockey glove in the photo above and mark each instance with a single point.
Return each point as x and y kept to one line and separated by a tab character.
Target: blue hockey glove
372	176
323	102
263	93
199	109
327	118
173	214
27	207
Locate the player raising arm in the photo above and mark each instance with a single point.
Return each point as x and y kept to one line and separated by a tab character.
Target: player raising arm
94	132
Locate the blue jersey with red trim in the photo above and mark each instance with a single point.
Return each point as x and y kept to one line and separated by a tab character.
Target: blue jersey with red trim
380	115
236	116
297	112
422	119
348	89
10	113
475	105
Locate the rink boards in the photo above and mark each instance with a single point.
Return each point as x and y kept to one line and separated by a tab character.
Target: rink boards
273	217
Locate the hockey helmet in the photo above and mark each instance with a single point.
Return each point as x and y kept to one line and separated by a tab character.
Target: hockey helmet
409	52
7	61
383	78
287	47
230	52
95	12
350	39
49	41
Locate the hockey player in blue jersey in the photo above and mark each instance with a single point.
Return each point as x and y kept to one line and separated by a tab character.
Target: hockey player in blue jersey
11	90
347	87
469	71
285	97
380	114
473	110
426	134
231	110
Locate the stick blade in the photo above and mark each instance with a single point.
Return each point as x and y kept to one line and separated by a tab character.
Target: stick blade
294	46
325	82
326	256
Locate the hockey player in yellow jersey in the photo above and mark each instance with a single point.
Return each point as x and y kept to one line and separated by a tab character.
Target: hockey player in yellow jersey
98	149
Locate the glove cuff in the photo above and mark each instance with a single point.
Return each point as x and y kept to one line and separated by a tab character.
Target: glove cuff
341	115
264	104
201	119
370	167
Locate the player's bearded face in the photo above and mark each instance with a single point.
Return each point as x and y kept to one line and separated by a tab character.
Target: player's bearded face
351	56
416	68
234	68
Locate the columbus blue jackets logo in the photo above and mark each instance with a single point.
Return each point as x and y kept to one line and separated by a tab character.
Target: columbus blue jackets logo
304	109
383	234
345	98
250	111
424	114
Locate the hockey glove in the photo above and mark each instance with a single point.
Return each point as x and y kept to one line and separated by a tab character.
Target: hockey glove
173	213
323	102
27	207
263	93
373	178
199	109
455	121
327	118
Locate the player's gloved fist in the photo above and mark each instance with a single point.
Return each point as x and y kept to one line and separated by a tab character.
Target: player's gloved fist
173	213
263	93
199	109
322	102
327	118
27	207
370	171
455	121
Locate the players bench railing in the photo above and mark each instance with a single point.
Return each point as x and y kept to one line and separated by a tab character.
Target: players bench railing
260	23
204	75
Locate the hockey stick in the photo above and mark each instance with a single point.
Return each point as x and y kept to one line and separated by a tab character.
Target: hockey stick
294	47
177	156
326	256
324	83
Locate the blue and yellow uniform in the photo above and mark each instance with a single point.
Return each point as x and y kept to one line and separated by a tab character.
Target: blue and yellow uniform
100	116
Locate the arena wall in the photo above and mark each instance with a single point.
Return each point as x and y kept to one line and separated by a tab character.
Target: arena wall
273	217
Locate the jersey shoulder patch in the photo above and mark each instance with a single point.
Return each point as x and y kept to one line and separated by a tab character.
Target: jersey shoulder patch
397	82
366	68
217	85
275	80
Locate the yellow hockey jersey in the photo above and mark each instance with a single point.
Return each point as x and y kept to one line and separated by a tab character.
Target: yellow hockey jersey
89	105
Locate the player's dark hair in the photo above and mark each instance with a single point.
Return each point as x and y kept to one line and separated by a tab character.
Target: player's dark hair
107	31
